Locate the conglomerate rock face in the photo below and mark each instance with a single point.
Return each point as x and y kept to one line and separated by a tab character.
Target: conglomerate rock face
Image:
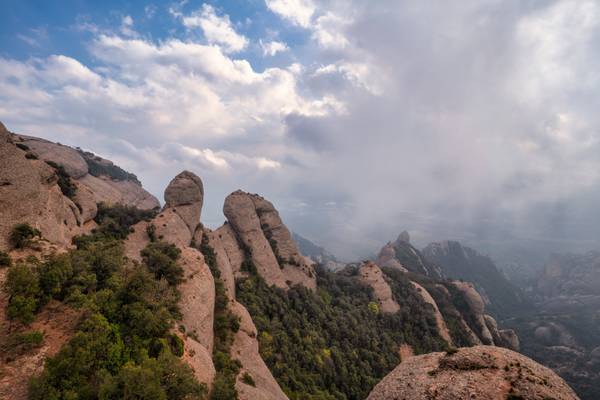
370	274
185	195
29	193
267	241
29	190
479	372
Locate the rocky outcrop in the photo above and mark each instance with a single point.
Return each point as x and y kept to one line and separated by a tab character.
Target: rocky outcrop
267	241
245	350
29	192
476	310
439	319
176	224
501	337
462	262
370	274
401	254
480	372
185	195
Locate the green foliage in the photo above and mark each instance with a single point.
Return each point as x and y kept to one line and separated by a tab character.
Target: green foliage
330	344
64	180
21	235
23	288
123	348
5	260
20	342
248	380
99	167
161	259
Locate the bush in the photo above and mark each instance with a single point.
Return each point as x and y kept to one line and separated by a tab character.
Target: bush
19	343
23	289
22	234
248	380
64	180
161	259
5	260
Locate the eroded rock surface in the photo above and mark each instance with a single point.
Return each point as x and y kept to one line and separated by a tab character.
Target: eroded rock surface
185	195
480	372
439	319
267	240
370	274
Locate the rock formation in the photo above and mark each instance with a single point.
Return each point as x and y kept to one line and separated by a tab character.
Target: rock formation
30	192
461	262
370	274
480	372
185	195
476	309
439	319
267	241
401	254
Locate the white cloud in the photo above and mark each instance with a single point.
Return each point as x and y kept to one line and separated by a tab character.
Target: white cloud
273	47
217	29
328	31
127	26
299	12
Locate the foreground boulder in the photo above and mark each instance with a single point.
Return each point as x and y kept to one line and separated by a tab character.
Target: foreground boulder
480	372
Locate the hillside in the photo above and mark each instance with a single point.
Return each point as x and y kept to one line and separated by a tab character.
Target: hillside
107	296
502	298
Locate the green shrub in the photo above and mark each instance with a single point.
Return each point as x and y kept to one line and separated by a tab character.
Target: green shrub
175	345
64	180
5	260
99	167
21	342
247	379
23	288
21	235
161	259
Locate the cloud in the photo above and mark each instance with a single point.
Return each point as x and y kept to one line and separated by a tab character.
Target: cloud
217	29
298	12
273	47
473	120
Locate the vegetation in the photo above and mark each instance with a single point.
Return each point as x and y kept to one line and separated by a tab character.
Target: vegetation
161	259
99	167
5	260
226	324
16	343
123	348
331	344
22	234
64	180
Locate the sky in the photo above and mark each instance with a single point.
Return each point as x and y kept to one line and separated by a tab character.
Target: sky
473	120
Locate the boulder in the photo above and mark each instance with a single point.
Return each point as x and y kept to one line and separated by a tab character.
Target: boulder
370	274
107	190
65	156
185	195
479	372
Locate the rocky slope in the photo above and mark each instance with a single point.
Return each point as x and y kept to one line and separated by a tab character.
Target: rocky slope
479	372
370	274
460	262
564	330
401	254
49	186
318	254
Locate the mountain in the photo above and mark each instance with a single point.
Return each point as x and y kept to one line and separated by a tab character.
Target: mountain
460	262
401	254
564	333
317	253
107	295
